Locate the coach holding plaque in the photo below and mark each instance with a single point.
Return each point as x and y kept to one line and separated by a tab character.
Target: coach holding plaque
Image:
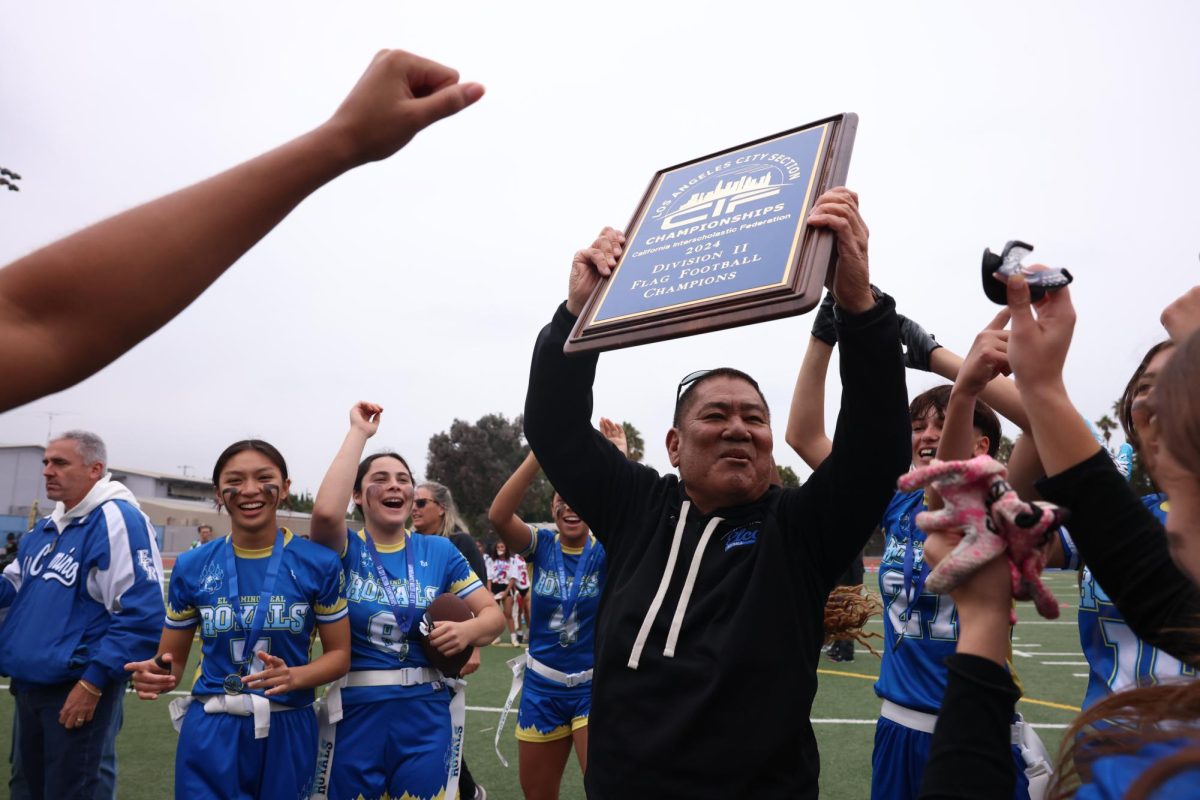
721	241
710	625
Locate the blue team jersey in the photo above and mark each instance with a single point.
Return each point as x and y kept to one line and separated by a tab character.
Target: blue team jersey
308	590
919	630
438	567
1117	658
546	624
1113	775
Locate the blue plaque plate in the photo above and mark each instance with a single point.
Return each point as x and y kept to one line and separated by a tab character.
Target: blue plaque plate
722	241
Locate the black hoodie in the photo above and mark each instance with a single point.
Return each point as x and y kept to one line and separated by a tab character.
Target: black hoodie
705	664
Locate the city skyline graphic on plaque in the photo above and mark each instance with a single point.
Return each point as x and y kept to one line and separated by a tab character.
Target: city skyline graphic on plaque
717	228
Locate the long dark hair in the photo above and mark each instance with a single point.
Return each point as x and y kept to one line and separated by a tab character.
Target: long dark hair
364	467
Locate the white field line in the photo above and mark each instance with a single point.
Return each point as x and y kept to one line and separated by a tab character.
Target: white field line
1079	674
1064	663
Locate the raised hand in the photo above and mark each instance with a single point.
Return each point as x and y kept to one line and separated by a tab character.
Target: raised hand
398	95
987	358
590	265
364	417
1038	344
614	433
837	210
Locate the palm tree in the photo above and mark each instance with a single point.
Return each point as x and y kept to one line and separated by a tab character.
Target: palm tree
1106	426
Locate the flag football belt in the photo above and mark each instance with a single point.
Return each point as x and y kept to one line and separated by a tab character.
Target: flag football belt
570	680
241	705
1022	736
518	666
330	712
414	676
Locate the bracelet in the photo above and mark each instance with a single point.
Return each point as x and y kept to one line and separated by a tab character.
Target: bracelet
92	690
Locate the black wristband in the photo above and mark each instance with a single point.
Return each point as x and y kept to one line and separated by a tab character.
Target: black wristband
823	324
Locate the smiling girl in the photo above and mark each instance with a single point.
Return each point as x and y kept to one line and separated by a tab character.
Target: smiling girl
568	570
257	595
389	731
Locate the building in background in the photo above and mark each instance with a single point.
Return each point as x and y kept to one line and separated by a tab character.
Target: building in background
176	504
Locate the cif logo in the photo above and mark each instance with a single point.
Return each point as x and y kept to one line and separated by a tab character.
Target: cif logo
725	198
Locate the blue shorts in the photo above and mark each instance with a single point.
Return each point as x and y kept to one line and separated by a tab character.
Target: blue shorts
393	748
550	712
218	757
898	763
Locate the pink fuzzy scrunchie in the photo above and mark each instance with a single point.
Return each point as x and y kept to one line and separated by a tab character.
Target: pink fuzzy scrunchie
993	519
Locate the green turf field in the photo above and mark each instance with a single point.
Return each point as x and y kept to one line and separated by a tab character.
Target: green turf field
1046	655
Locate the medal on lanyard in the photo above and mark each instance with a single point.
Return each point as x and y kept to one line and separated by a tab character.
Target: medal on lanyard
404	619
913	588
233	682
569	633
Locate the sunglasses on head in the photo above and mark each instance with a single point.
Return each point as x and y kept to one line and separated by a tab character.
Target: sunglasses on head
687	381
421	502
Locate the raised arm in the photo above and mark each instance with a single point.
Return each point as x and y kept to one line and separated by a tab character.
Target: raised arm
846	496
806	418
329	509
590	473
1000	393
971	753
1121	542
987	359
503	512
72	307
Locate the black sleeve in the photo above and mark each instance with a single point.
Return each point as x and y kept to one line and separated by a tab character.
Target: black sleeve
465	543
591	474
835	511
971	754
1126	549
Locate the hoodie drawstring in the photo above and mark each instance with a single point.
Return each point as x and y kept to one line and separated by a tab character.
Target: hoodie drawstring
656	604
686	594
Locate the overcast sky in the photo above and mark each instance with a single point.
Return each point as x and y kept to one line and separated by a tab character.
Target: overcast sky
420	283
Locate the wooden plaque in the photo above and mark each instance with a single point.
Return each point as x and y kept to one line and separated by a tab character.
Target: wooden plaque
722	241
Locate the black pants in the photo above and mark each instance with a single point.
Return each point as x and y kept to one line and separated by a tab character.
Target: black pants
60	762
466	784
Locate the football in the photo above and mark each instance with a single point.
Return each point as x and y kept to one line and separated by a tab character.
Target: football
445	607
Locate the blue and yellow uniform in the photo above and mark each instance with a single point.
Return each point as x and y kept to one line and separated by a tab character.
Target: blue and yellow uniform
394	741
919	630
549	709
1117	658
218	755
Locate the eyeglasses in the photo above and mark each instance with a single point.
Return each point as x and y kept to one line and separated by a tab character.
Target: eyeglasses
422	502
687	381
